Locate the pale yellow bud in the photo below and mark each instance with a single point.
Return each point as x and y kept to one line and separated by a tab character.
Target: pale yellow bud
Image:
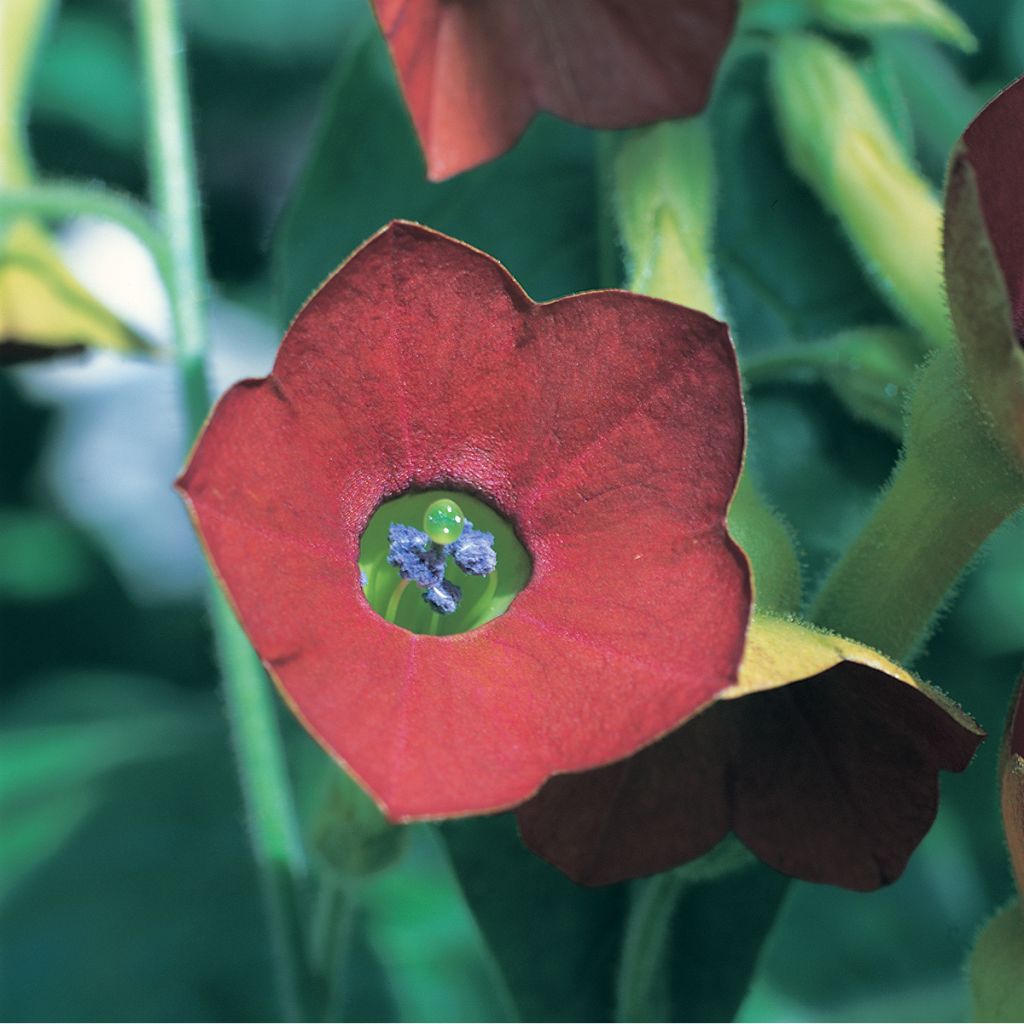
866	16
839	142
665	196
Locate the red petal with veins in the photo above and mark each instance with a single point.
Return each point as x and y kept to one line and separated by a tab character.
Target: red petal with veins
607	427
474	72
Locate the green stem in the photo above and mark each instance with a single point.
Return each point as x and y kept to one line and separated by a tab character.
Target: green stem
396	596
58	200
266	789
270	812
333	926
346	910
173	174
951	489
641	995
477	615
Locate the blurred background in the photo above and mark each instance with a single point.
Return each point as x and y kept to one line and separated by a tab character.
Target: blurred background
126	885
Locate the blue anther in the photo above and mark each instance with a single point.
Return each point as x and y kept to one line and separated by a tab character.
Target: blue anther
415	555
474	551
444	597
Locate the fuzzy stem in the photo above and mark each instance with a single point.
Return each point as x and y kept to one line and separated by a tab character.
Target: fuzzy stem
270	809
952	488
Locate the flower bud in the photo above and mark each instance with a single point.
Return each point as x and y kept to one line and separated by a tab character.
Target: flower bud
839	142
865	16
665	203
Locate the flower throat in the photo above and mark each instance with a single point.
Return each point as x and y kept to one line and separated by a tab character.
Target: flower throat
440	563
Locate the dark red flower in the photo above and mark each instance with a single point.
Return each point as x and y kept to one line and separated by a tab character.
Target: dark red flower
474	72
984	258
606	427
823	760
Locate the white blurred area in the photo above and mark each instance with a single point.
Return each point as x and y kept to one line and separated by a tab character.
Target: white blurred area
119	439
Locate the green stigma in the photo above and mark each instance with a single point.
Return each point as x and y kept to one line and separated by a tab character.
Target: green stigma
443	521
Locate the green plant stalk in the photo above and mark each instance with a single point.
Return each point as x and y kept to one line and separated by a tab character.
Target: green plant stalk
953	486
641	994
58	200
270	807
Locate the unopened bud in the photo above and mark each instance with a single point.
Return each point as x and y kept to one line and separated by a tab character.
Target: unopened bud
665	202
840	143
866	16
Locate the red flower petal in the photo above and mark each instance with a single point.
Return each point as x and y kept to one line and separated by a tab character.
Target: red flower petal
474	72
983	250
829	778
608	428
994	146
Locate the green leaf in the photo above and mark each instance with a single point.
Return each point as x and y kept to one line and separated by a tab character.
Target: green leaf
41	557
555	943
788	273
141	902
534	208
718	931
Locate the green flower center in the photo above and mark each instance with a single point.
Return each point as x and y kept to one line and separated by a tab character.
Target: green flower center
443	521
447	524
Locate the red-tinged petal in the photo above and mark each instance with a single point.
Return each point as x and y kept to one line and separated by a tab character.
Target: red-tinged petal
823	760
474	72
983	247
608	428
994	146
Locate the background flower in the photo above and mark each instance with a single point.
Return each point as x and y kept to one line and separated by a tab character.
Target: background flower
474	72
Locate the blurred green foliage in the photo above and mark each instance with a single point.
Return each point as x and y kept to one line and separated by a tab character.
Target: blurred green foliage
126	889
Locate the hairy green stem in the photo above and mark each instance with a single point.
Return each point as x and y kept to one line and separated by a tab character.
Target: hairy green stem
58	200
952	488
269	803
